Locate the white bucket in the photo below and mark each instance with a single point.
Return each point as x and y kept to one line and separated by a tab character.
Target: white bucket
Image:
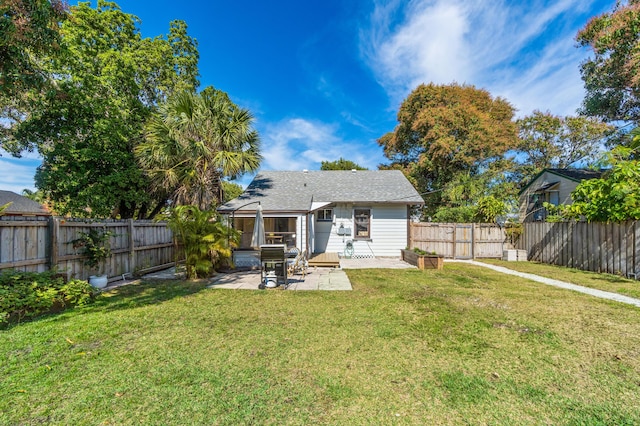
271	280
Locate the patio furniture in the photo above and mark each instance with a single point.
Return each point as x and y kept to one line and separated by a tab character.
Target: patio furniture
298	265
273	263
274	239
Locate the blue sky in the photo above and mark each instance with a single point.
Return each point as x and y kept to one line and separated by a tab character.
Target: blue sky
325	79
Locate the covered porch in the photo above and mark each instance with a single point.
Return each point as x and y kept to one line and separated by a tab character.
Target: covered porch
278	230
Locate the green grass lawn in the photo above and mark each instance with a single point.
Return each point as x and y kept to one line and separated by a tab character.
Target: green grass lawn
457	346
606	282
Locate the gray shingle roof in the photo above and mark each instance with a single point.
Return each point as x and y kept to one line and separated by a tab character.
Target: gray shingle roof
20	205
577	175
295	191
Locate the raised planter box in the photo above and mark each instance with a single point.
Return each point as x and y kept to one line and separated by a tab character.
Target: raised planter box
426	261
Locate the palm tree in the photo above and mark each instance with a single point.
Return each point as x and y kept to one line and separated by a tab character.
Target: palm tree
193	142
4	207
206	240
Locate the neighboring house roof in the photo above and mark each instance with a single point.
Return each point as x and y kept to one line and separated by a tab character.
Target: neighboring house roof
297	191
21	205
547	185
576	175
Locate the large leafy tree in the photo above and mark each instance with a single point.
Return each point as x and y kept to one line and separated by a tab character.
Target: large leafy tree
341	164
612	75
548	140
107	80
616	196
29	29
230	190
449	133
193	142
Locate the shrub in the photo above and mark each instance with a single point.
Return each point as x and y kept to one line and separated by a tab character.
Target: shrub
96	247
489	208
207	241
28	294
513	231
424	252
77	293
460	214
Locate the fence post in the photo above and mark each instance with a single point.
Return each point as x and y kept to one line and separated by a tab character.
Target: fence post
53	242
636	248
132	251
473	241
455	237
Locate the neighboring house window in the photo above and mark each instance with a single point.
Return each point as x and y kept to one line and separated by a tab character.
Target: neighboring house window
536	203
325	215
535	207
362	220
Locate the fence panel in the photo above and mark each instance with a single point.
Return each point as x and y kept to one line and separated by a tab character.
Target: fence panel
489	241
431	237
459	240
20	245
37	246
463	241
153	244
599	247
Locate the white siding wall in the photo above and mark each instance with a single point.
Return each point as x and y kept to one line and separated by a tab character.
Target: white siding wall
301	232
388	231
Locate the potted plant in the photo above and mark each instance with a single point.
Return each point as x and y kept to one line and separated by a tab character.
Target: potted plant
96	249
423	259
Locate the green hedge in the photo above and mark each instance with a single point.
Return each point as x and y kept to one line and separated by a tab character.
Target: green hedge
28	294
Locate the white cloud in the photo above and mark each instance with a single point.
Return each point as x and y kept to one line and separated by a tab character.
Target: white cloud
297	144
552	82
430	43
17	174
523	51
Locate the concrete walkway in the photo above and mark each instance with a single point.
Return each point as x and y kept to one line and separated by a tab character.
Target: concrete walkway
556	283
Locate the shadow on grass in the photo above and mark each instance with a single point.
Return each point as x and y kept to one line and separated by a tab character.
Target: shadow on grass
128	296
146	293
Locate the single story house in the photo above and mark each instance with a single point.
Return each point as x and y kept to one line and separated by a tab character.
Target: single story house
363	213
21	206
553	186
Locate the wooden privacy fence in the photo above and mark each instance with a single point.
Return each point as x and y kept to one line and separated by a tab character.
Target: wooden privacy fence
599	247
136	246
459	240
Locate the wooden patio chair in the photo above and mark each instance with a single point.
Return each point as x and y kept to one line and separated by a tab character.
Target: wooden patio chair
298	265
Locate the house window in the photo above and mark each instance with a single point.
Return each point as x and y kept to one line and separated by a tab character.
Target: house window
554	197
325	215
362	220
281	224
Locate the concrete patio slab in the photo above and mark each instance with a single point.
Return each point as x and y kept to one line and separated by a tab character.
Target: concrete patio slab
375	263
315	279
